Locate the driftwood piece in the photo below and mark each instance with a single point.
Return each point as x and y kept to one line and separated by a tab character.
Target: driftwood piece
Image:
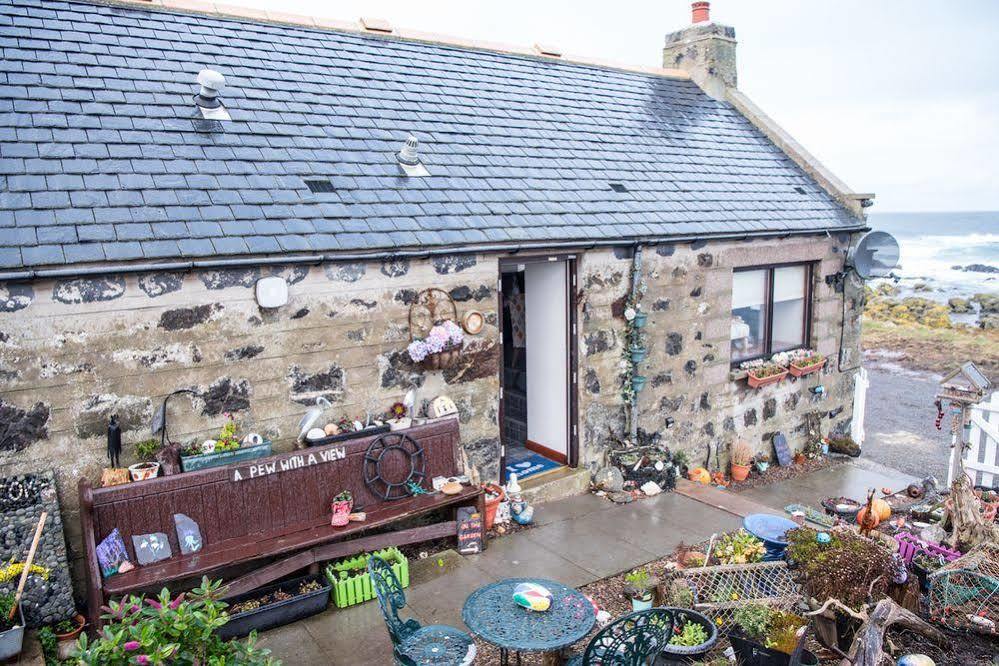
964	512
868	644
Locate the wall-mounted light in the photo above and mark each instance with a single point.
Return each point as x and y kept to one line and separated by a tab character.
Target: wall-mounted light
271	292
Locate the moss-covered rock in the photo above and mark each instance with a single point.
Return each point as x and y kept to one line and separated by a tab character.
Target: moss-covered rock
989	303
960	305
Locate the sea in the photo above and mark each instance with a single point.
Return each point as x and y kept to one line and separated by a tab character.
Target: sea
933	244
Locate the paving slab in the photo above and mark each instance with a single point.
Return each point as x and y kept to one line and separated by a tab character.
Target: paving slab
293	644
848	479
354	635
517	555
586	544
439	601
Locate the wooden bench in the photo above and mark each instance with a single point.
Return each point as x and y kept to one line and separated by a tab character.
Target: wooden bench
249	514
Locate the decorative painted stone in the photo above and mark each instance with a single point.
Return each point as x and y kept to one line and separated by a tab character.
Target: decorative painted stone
315	434
915	660
111	553
188	534
823	537
532	596
208	446
151	548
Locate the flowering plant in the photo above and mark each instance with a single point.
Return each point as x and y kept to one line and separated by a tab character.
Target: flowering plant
445	336
169	631
762	368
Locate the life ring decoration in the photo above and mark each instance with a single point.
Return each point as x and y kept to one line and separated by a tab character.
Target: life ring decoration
391	463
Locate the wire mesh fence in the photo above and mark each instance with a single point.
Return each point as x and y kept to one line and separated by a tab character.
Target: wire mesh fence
964	594
717	591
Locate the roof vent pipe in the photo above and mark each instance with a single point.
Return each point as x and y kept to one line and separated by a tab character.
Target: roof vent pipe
409	159
207	99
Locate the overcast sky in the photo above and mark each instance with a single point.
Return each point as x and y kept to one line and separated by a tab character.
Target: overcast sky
897	97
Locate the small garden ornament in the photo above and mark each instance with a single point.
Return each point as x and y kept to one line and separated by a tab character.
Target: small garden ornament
341	507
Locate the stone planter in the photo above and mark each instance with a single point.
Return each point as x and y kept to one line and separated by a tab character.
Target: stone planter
757	382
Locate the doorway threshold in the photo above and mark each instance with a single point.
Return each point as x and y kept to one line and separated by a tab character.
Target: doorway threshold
556	484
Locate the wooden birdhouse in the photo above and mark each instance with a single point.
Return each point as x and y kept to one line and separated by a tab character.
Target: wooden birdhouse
966	385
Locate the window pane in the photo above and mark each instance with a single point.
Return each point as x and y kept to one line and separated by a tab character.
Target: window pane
749	295
789	308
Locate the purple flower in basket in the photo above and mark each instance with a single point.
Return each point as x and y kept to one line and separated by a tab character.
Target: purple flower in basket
443	337
417	350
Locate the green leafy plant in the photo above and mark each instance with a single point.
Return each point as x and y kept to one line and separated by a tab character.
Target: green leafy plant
6	604
690	634
782	631
681	459
739	547
850	567
228	439
752	620
147	449
640	583
178	631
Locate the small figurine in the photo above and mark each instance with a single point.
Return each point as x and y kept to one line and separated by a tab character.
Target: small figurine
114	441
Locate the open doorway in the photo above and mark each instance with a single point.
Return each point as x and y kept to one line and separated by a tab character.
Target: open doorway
537	394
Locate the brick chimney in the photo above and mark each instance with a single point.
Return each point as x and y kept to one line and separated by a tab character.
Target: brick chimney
705	50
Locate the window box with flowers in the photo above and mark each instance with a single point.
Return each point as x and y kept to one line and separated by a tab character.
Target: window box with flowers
805	362
761	373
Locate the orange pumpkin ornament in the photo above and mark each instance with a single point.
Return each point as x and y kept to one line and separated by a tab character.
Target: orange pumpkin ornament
699	475
881	509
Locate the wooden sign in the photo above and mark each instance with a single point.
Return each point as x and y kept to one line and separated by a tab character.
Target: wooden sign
288	462
784	457
469	530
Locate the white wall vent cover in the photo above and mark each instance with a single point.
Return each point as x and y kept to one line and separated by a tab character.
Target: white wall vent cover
272	292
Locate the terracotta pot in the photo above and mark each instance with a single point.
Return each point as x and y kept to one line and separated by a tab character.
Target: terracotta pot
739	472
802	370
492	503
79	621
757	382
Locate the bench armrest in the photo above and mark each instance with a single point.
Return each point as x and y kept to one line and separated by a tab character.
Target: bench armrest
95	580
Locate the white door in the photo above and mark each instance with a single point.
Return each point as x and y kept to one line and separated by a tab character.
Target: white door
547	321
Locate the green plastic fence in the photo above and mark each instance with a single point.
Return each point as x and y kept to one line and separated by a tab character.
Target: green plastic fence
350	589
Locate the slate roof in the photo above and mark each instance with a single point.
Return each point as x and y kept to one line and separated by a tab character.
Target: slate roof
100	160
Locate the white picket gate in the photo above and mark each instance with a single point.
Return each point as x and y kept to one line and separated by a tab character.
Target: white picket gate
981	460
860	385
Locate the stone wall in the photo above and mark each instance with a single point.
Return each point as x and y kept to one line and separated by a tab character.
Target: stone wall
688	368
73	352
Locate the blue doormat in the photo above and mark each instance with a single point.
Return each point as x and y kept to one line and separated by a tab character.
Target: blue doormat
525	463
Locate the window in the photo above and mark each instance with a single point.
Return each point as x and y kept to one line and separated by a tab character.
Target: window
770	310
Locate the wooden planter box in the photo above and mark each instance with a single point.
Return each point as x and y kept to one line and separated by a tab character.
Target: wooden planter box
756	382
206	460
351	589
802	370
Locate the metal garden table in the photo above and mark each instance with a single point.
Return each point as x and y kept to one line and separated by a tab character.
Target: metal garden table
491	614
770	530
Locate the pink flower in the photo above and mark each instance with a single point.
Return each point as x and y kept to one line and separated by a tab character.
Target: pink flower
176	602
132	646
142	659
155	604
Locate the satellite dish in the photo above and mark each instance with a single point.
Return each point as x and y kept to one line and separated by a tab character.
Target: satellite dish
875	256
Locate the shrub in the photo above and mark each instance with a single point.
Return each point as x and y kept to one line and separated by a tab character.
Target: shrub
7	603
739	547
847	568
741	452
177	631
147	449
752	619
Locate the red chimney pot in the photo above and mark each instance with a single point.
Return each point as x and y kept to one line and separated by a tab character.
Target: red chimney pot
701	12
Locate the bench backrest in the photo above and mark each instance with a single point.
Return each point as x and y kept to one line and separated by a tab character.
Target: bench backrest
269	504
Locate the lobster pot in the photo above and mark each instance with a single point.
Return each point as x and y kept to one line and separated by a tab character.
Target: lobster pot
964	594
718	591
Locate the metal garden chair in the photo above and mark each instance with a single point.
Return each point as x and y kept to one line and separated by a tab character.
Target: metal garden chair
412	643
633	640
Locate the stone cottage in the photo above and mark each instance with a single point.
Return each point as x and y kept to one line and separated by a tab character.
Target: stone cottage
361	163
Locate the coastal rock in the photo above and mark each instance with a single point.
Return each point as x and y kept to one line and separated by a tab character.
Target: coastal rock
976	268
989	303
960	305
989	322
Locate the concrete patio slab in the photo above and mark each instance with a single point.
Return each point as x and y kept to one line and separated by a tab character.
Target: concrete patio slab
585	543
848	479
516	553
294	644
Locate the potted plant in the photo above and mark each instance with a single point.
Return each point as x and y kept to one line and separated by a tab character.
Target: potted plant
739	547
638	383
924	564
148	467
11	631
441	348
398	419
637	348
763	636
66	632
351	581
805	362
640	586
341	507
225	449
740	458
681	461
693	636
762	373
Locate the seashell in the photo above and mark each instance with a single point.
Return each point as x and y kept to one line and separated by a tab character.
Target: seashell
915	660
315	434
532	596
253	439
331	429
208	446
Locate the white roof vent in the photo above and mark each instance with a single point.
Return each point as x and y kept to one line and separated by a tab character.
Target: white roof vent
409	159
207	99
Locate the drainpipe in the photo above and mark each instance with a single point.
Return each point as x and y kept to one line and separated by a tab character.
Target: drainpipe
636	280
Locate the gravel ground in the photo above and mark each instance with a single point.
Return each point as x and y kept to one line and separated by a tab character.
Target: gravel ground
899	422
